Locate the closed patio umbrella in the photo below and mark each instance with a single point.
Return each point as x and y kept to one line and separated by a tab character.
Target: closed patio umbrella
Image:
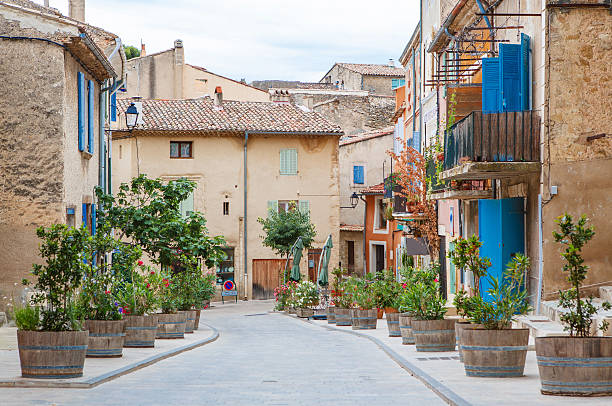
297	256
323	279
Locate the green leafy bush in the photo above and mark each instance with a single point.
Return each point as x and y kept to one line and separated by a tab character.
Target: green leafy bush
466	256
386	289
421	294
138	296
575	235
306	295
27	318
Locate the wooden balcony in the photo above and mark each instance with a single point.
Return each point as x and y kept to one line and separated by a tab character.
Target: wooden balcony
492	146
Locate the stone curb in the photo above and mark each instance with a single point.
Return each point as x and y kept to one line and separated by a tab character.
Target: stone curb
437	387
109	376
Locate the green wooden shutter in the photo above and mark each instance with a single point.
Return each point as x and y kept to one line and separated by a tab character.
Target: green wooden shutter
304	207
288	161
293	161
273	206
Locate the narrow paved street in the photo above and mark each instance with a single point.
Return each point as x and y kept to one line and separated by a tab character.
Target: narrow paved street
260	358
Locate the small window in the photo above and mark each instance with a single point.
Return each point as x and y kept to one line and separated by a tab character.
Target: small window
288	161
181	149
186	206
380	220
226	208
358	177
287	205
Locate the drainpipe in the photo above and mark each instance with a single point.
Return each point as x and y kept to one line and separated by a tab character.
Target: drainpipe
414	92
101	140
365	216
244	236
421	70
540	254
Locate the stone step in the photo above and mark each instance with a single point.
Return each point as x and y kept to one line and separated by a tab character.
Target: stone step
540	326
553	311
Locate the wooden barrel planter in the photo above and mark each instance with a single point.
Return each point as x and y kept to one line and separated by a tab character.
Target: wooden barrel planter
405	327
189	320
304	313
363	319
292	310
106	338
52	354
331	315
140	331
459	327
343	316
575	366
196	324
393	324
171	325
494	353
434	335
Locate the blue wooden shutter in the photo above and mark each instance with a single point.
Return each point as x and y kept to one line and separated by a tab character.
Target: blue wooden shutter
416	140
525	73
358	177
393	83
510	74
84	214
81	109
90	116
113	107
490	85
93	219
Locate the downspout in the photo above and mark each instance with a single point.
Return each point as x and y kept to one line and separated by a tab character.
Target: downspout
244	236
414	92
540	254
421	71
101	139
365	217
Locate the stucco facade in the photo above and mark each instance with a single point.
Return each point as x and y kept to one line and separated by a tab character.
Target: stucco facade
166	75
364	77
46	179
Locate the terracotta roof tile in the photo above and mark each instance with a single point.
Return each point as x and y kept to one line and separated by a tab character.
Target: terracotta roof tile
373	70
375	189
202	115
351	227
364	136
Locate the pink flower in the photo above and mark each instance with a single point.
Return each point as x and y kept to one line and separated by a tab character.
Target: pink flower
148	286
436	280
107	292
152	272
404	285
140	263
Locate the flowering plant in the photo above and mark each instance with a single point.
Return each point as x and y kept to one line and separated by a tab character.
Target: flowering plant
166	290
282	294
421	294
138	296
386	289
205	289
306	295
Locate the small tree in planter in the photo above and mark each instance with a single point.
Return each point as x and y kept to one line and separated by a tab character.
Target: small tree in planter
53	301
490	347
422	300
335	291
306	296
576	365
343	302
386	290
364	315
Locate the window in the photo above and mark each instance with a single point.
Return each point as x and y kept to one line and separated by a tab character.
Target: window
380	222
225	271
181	149
226	208
71	216
358	174
288	161
281	206
287	205
395	83
186	206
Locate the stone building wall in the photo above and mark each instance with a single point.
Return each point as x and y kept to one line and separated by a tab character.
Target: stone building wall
578	91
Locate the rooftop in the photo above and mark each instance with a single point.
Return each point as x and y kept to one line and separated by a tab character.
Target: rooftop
378	189
364	136
201	115
373	69
351	227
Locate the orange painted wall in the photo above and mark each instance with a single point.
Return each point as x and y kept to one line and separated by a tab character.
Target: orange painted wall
392	238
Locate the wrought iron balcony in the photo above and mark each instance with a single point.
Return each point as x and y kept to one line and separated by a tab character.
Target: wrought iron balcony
492	145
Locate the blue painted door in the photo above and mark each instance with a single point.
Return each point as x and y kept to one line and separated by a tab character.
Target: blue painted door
501	228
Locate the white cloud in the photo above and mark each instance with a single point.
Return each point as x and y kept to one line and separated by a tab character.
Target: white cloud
263	39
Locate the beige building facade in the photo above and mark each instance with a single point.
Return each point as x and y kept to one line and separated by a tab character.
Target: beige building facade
51	127
240	173
166	75
373	78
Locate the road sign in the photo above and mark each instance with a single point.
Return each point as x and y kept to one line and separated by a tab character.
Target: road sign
229	289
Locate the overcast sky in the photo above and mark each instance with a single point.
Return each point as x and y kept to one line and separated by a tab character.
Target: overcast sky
261	39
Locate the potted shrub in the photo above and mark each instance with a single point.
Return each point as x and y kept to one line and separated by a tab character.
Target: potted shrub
186	282
170	323
281	297
291	306
364	315
205	290
344	303
338	274
432	332
466	256
52	343
138	297
407	272
578	364
387	290
306	297
496	349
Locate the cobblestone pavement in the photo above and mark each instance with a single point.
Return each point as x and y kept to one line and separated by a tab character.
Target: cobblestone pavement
260	358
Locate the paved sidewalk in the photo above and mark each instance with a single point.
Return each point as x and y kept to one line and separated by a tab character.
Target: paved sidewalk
449	374
97	370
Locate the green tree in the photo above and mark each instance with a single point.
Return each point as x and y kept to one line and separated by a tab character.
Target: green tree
131	52
146	213
283	229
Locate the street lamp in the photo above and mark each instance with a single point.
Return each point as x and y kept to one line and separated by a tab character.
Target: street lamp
131	116
354	201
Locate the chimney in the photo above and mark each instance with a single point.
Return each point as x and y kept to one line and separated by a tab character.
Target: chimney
391	62
280	96
143	50
77	10
218	100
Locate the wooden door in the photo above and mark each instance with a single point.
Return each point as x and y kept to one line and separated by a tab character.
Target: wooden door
266	277
380	257
314	255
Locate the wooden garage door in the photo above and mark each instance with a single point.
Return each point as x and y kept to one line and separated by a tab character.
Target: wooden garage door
266	274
